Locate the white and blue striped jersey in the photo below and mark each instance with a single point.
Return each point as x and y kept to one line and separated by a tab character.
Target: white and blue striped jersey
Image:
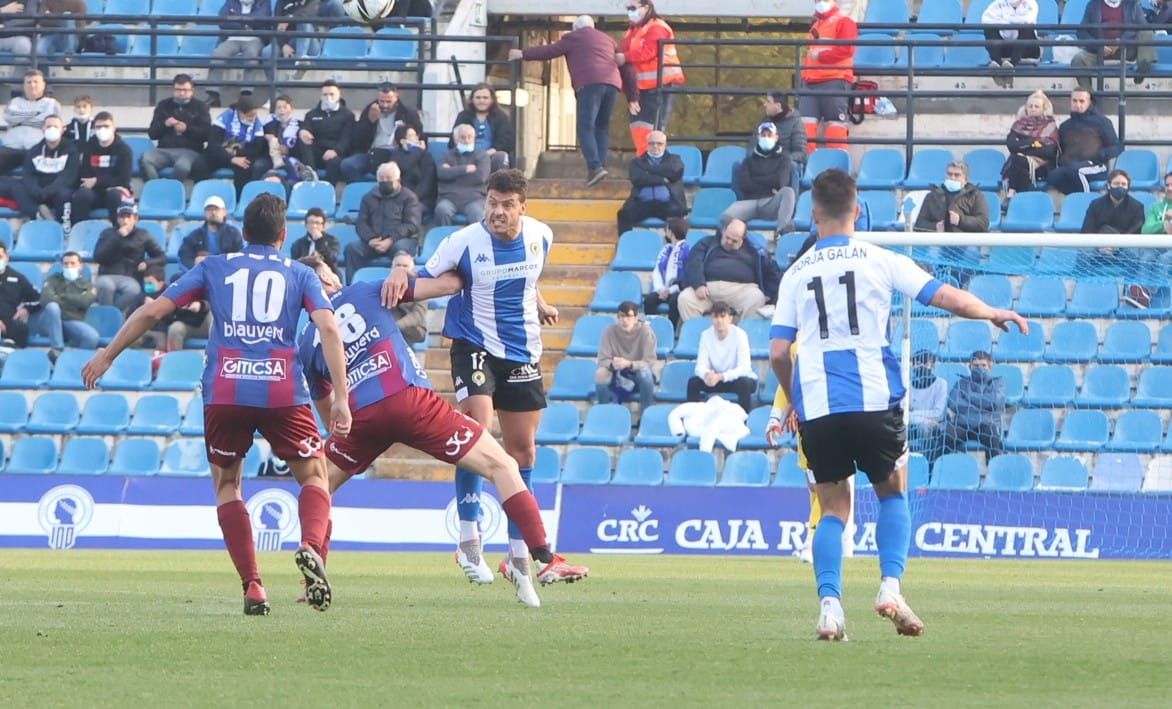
835	302
497	308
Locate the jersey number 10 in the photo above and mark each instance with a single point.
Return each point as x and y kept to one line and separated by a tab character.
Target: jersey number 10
268	295
852	313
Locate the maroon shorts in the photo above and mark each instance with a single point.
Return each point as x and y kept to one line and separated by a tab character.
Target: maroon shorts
417	417
290	430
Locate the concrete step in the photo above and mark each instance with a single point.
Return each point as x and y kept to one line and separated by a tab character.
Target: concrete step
569	165
574	210
573	275
605	232
563	295
571	188
581	254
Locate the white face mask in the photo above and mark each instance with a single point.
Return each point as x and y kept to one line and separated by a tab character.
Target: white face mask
104	135
52	134
1113	3
823	7
71	274
635	15
328	105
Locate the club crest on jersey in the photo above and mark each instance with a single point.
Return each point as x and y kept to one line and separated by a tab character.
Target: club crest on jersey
478	378
63	512
265	370
534	247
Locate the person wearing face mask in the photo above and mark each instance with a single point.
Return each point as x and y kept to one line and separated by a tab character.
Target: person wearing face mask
640	49
493	126
280	132
976	408
1103	20
1116	212
763	182
124	253
1033	145
106	164
374	134
416	165
828	71
81	128
318	241
669	271
657	185
17	297
236	141
1087	143
1018	41
50	173
238	50
462	179
179	126
214	236
65	299
954	205
787	124
927	403
389	220
327	132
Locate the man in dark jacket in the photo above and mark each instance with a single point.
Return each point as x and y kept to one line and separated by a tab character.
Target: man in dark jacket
375	130
1087	142
1116	212
237	16
462	179
955	205
236	141
762	180
728	268
492	127
180	126
65	299
49	177
976	406
318	241
657	185
214	236
124	253
791	134
1101	21
106	164
17	295
388	222
327	132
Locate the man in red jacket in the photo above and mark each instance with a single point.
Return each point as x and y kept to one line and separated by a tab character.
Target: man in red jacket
829	71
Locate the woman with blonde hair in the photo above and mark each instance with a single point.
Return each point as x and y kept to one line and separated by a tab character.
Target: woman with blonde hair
1033	145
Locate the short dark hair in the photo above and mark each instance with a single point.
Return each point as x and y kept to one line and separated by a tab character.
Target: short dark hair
283	97
3	248
1083	90
104	116
720	309
264	220
778	96
1116	173
315	212
330	82
628	307
511	181
982	355
923	357
835	195
83	99
314	261
678	227
34	72
67	254
182	79
401	132
387	87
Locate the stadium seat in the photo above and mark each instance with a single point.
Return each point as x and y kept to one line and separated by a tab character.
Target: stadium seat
1009	472
768	387
394	44
6	233
135	457
559	424
884	210
665	334
175	8
637	251
924	336
1163	352
587	334
36	455
1143	167
638	466
352	199
547	467
1029	212
199	45
1011	259
25	369
1030	429
744	469
804	212
1051	385
875	56
1013	346
1104	385
307	195
185	457
179	371
254	189
1057	260
1074	211
614	288
586	466
1136	431
162	198
83	237
53	412
1159	476
178	233
758	331
206	188
1011	375
693	162
965	337
956	471
788	472
156	415
345	43
1092	299
39	240
888	12
573	380
688	345
1063	474
993	288
927	168
918	475
193	418
653	431
606	425
13	411
788	246
951	372
1126	342
67	369
434	238
881	168
963	53
1072	12
1154	389
84	456
708	204
104	414
691	468
824	159
673	382
1041	296
925	48
1117	472
106	319
718	169
131	371
371	274
940	12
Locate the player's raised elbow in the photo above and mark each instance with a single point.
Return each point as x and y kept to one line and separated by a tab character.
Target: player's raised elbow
326	324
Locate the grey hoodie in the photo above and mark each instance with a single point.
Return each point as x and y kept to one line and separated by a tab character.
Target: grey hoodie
25	118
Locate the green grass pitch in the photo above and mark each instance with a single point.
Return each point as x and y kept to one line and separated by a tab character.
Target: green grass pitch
83	628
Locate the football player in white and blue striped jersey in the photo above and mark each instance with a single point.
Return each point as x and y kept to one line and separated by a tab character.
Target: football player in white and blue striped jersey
847	388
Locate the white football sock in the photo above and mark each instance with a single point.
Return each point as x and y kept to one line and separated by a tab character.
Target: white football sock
890	584
468	531
518	549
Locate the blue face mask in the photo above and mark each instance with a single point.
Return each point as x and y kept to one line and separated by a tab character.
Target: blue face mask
71	274
767	144
150	287
465	147
634	15
952	185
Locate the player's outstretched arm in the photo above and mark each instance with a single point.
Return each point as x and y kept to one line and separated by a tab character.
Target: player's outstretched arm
138	324
967	305
331	347
401	288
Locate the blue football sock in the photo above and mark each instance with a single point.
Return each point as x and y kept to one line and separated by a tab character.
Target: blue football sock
514	530
828	556
893	535
468	487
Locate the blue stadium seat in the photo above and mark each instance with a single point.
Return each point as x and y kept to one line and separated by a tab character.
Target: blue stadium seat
1057	260
688	344
637	251
434	238
39	240
744	469
788	472
1047	13
559	424
1074	211
127	7
956	471
180	232
394	44
639	466
1041	296
36	455
176	8
104	414
1137	431
673	382
25	369
586	466
708	204
587	333
136	457
881	168
691	468
1030	429
1051	385
106	319
962	54
13	411
84	456
1126	342
254	189
1073	11
1011	259
156	415
162	198
884	210
67	369
965	337
1104	385
1009	472
179	371
993	200
693	162
718	170
758	331
925	55
371	274
185	457
994	289
193	418
606	425
951	372
1117	472
1143	167
653	430
875	56
924	336
804	212
788	246
574	380
1063	473
918	474
824	159
345	43
1029	212
614	288
665	334
352	199
1092	299
1013	346
346	233
83	238
206	188
889	12
1014	381
53	412
547	468
306	195
199	45
131	370
941	12
768	387
1163	352
927	168
1154	389
6	233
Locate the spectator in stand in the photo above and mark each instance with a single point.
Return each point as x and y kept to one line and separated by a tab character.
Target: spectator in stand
65	300
791	132
492	124
214	236
954	205
669	271
180	127
49	176
462	179
641	50
1160	15
193	320
928	404
237	141
1033	145
389	221
81	128
1087	143
829	72
762	181
592	60
1154	222
281	132
318	241
124	253
298	17
59	15
17	295
626	360
1103	20
416	165
976	407
1154	265
327	131
17	39
1018	41
723	363
237	50
727	268
657	185
410	317
106	164
374	135
25	115
1116	212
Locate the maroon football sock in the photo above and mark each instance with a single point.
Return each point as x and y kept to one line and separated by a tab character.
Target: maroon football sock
314	509
325	543
522	511
237	529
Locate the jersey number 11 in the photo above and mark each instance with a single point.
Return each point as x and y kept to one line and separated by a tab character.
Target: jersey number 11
852	313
